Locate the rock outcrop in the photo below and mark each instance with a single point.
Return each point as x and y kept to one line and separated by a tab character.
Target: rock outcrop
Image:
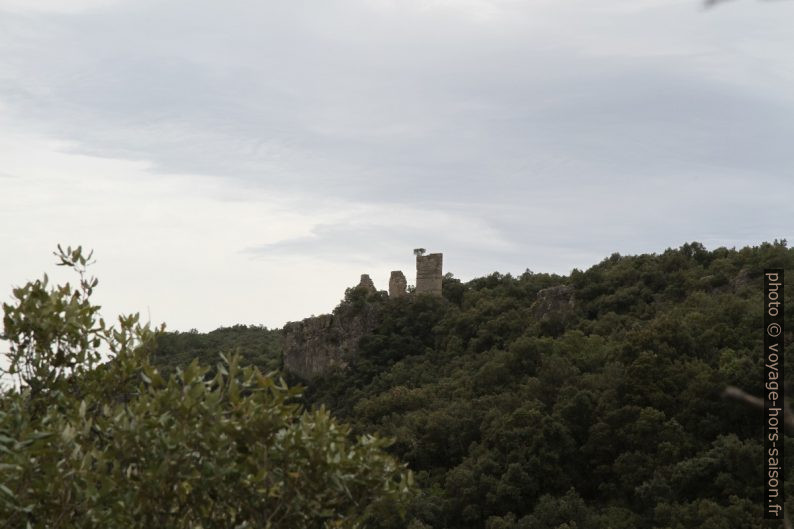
742	280
318	344
554	302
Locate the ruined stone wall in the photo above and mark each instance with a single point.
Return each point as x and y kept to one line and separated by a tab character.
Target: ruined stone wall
429	274
366	282
397	284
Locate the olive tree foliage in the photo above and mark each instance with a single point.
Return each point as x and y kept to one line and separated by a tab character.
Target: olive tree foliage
88	442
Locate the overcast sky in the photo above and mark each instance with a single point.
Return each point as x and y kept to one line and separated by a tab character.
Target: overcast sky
245	161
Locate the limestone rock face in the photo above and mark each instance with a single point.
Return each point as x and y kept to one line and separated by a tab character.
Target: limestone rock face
397	284
320	343
554	301
429	274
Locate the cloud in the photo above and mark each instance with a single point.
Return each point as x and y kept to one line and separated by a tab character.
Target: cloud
340	135
54	6
386	237
165	245
354	102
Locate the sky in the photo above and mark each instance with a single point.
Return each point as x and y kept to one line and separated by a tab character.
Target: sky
244	162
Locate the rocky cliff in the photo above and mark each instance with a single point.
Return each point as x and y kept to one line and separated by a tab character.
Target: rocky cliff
320	343
554	301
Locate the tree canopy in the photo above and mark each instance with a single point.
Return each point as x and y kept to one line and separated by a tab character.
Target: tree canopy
589	400
518	409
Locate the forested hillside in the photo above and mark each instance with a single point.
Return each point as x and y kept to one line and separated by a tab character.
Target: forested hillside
585	401
257	346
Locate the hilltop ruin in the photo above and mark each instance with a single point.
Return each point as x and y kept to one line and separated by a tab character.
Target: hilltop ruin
320	343
429	276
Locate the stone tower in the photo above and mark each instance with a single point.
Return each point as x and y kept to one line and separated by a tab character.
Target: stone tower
397	284
366	282
428	273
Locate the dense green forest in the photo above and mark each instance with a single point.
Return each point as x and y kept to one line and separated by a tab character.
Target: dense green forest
257	346
603	412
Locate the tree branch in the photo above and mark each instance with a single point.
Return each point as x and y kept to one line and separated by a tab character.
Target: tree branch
732	392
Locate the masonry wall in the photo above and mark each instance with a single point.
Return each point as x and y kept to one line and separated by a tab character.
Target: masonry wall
397	284
429	274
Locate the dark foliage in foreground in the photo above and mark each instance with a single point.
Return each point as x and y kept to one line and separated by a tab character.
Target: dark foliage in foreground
91	444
